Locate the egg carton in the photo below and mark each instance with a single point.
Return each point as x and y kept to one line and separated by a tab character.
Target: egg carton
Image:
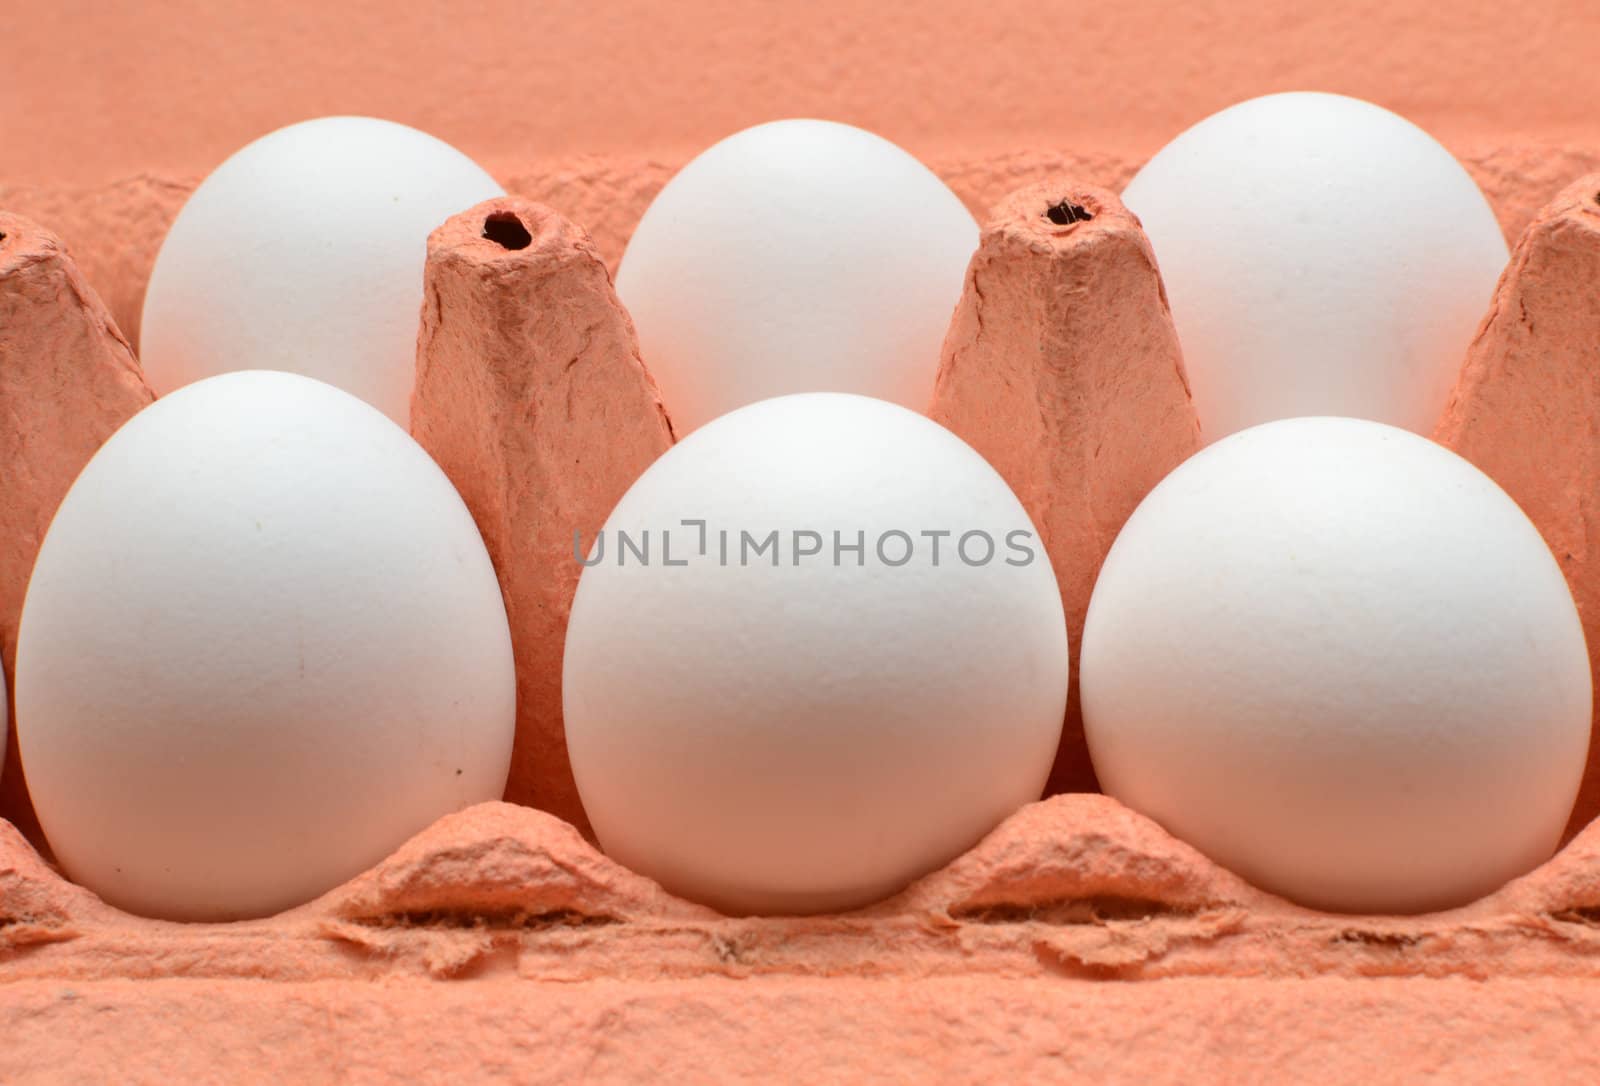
501	943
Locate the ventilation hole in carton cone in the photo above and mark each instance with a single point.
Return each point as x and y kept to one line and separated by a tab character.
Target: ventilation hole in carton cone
1066	213
506	230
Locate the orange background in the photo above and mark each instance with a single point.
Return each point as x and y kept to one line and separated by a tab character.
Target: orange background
93	91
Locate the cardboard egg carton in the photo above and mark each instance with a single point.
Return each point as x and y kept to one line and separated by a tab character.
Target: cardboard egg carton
1078	937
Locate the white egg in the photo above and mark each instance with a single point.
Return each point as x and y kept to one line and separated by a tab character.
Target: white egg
263	645
1322	256
1337	658
304	252
796	256
771	730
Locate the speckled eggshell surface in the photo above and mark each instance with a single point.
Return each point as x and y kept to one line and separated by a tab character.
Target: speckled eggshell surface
796	256
1322	256
1339	660
774	732
304	252
263	645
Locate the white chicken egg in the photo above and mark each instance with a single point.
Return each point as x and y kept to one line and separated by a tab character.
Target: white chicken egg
304	252
1322	256
1337	658
768	723
796	256
263	645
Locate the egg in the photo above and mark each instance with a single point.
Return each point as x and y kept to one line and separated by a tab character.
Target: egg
262	646
5	714
840	663
1322	256
1337	658
304	252
796	256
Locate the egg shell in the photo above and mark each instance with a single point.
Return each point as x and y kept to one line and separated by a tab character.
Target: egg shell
303	252
1323	256
783	734
68	379
532	398
795	256
1063	371
262	645
1526	406
1339	660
